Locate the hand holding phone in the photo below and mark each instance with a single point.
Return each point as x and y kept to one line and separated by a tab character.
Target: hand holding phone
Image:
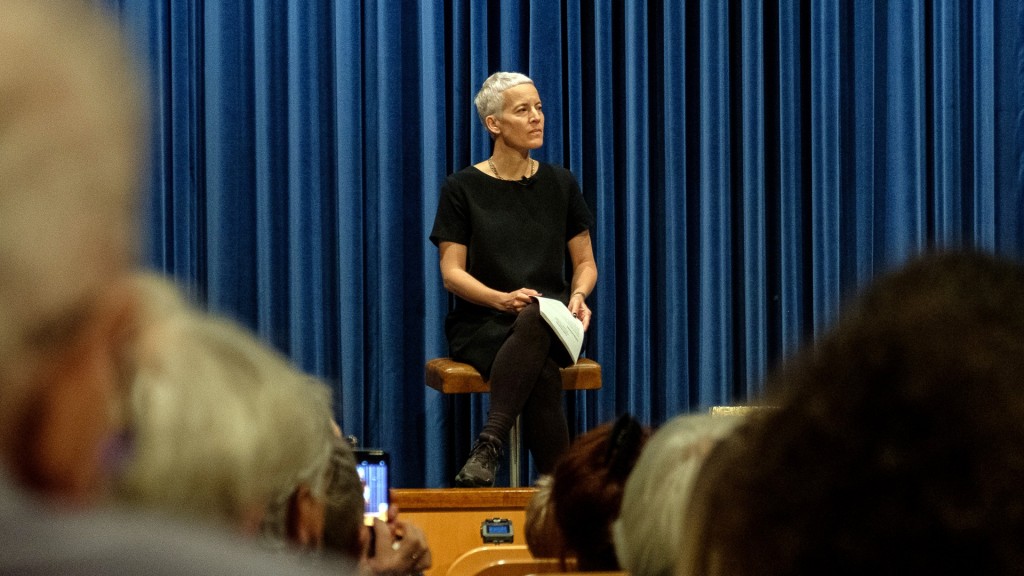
398	549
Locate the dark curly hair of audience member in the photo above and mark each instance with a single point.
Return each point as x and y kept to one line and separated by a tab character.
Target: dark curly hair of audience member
588	483
897	444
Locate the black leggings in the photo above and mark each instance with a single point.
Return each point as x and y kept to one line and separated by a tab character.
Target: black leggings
525	381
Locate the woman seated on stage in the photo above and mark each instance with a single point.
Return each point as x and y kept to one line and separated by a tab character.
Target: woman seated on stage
503	227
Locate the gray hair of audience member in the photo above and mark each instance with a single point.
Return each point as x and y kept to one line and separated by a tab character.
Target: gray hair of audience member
490	100
72	135
223	424
340	502
650	526
343	503
302	504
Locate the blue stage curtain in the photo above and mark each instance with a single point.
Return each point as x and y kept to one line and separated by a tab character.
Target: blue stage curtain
750	165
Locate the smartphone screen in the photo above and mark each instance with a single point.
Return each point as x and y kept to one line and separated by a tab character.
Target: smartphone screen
373	467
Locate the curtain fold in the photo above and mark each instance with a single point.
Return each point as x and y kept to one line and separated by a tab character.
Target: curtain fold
670	286
826	158
715	264
749	164
601	187
983	106
633	157
786	151
753	311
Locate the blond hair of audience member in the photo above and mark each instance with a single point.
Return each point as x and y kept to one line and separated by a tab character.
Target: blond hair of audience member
895	443
650	525
223	424
71	143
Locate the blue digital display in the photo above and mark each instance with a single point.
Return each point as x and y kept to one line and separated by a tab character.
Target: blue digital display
496	531
374	475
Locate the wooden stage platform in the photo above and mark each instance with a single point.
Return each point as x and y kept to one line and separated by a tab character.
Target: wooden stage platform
451	517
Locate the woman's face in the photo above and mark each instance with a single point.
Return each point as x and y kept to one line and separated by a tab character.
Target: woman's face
521	124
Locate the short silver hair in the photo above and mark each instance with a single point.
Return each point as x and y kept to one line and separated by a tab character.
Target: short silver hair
490	99
649	530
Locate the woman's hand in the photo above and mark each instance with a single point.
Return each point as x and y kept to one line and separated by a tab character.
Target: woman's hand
514	301
578	307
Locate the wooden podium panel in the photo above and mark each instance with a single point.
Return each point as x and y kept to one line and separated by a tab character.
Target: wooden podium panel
451	517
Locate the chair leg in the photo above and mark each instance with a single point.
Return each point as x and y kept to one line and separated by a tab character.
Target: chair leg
513	455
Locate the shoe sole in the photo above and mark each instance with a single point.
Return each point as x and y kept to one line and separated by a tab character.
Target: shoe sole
464	482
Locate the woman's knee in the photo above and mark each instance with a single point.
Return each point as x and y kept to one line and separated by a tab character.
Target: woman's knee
549	384
529	318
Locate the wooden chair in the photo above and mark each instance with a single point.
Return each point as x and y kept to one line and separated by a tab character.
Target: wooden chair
450	377
501	560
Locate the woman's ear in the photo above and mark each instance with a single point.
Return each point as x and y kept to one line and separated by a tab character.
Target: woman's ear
305	519
493	125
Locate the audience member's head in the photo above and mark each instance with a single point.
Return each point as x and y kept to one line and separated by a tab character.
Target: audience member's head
71	134
329	519
71	142
344	505
223	425
896	445
386	548
650	526
543	536
587	489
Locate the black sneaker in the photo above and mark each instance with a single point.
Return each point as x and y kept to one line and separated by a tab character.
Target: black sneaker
482	465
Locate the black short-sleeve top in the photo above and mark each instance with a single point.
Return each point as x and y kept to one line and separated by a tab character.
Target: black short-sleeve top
515	236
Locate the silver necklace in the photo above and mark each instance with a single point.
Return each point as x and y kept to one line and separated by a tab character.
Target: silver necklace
533	169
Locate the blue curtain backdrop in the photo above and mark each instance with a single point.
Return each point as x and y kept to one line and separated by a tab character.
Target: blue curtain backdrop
749	164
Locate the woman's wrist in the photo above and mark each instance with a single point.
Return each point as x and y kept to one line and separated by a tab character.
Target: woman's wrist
580	292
